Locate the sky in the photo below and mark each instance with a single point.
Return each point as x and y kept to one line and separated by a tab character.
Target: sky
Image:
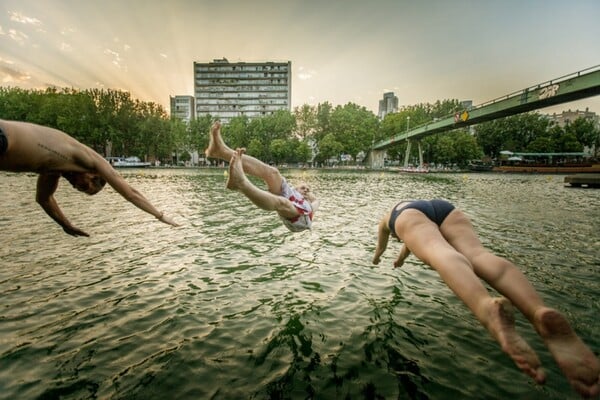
341	50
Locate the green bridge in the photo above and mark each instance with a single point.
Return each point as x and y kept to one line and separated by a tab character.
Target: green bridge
579	85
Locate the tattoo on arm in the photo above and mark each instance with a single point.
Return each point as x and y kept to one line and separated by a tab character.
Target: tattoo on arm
54	152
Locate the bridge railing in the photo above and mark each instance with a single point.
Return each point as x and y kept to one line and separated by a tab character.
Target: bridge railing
513	94
538	86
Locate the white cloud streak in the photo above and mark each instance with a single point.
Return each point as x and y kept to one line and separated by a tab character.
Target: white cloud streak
23	19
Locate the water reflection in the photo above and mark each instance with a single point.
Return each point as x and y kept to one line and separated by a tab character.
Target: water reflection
231	305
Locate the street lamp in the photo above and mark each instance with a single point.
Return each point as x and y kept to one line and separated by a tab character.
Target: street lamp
407	124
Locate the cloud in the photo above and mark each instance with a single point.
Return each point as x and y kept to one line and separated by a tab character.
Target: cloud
23	19
9	74
163	55
116	59
304	74
17	36
66	47
2	31
68	31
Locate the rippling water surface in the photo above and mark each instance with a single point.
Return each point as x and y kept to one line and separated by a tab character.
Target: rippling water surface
232	305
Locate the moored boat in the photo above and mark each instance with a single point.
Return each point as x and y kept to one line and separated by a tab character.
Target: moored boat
127	162
581	168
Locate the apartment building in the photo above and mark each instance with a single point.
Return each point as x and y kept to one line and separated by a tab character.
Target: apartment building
183	107
387	105
255	89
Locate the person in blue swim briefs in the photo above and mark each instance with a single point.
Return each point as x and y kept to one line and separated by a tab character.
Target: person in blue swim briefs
443	237
295	206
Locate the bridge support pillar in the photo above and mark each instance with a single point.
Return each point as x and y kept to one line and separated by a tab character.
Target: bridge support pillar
407	154
376	159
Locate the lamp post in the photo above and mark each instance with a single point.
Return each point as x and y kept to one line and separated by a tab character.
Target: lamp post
406	155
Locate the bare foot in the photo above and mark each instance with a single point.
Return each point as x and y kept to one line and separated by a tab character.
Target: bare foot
236	177
501	324
215	143
575	359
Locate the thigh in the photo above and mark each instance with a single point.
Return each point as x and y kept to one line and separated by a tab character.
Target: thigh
459	232
423	237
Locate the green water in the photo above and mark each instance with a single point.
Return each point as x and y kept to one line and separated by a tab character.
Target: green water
233	306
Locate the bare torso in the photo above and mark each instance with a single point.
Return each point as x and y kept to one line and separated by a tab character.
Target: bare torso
35	148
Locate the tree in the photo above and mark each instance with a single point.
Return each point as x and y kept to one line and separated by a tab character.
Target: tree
302	152
278	150
354	127
585	131
306	121
513	133
329	147
323	117
199	129
465	147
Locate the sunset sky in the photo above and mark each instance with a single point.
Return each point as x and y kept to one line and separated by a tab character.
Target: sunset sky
341	50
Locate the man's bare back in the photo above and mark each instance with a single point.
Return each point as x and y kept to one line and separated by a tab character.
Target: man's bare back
53	154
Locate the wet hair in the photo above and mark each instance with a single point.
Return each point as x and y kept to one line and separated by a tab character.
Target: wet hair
99	182
96	180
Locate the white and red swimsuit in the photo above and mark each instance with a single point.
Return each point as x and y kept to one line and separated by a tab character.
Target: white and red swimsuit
304	220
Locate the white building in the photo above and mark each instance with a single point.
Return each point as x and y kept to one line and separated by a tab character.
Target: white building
183	107
254	89
569	116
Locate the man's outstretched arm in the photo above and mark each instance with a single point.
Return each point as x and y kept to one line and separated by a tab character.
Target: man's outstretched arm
46	186
112	177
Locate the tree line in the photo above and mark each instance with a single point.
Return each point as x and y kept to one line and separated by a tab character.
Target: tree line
115	124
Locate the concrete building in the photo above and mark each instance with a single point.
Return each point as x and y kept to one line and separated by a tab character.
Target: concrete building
389	104
254	89
569	116
183	107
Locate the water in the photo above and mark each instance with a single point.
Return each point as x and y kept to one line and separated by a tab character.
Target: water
232	305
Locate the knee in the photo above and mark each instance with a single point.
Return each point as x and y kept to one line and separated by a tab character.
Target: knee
273	178
492	267
272	173
450	261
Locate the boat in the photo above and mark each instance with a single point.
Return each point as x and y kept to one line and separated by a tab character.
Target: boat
414	170
479	166
567	168
549	163
127	162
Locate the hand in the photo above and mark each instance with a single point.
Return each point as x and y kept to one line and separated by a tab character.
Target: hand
167	220
71	230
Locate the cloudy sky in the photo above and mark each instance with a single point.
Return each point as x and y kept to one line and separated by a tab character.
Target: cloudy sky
341	50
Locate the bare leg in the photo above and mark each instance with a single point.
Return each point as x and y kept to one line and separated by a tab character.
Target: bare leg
252	166
501	324
576	360
500	273
425	240
263	199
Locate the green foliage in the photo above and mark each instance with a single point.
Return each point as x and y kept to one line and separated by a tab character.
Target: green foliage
329	148
586	133
105	120
112	121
